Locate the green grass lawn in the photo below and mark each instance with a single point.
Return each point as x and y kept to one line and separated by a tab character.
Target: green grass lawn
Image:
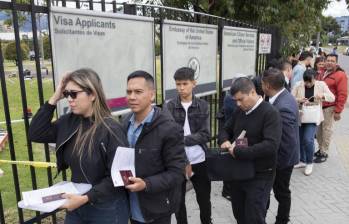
10	66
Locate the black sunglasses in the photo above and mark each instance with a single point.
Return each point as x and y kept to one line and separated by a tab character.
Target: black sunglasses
72	93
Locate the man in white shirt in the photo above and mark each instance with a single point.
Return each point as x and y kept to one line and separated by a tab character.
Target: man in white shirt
193	115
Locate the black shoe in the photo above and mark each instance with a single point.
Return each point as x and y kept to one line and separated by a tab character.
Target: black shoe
226	196
321	158
317	153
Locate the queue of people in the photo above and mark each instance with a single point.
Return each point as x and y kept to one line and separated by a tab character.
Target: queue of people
171	142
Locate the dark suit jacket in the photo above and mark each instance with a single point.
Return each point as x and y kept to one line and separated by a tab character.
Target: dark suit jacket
288	154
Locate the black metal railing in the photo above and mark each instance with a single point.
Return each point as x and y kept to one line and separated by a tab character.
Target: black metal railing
35	9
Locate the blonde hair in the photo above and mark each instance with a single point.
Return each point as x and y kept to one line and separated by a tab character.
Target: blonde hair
89	81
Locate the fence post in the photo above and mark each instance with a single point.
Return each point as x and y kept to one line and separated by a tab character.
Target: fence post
9	130
2	217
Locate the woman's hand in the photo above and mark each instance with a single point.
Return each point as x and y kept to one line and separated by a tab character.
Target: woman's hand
319	97
58	95
74	201
304	100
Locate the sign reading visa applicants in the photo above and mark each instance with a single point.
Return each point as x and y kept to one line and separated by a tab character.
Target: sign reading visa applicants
239	52
113	45
264	43
189	45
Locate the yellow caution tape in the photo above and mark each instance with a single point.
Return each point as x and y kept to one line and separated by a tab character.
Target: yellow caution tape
30	163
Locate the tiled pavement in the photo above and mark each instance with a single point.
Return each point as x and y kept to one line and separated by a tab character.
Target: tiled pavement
322	198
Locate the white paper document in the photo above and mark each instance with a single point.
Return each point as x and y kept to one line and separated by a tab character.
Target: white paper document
124	161
49	199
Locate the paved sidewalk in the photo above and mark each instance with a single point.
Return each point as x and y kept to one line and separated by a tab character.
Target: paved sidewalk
322	198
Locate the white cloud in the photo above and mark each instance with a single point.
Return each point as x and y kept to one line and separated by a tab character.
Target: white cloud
336	9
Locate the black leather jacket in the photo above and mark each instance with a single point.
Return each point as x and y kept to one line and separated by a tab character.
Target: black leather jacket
198	117
96	168
160	161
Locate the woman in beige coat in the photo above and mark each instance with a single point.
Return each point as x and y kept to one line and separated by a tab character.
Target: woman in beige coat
310	90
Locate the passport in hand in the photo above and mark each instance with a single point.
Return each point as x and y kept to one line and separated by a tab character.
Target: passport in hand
125	174
241	142
53	197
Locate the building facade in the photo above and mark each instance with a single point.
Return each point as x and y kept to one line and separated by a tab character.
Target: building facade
343	22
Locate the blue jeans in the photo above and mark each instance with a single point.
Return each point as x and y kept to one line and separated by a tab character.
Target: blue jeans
115	211
306	137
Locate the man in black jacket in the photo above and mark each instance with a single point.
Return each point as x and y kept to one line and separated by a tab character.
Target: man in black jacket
288	153
193	115
159	159
263	133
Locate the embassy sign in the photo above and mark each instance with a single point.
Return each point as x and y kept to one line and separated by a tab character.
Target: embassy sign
83	23
239	52
189	45
114	45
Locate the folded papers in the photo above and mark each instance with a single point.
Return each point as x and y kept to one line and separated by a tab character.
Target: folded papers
50	199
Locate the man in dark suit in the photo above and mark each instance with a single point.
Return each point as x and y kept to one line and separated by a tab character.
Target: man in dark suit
288	155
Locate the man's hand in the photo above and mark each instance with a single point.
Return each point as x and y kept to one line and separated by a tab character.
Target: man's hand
226	145
231	151
336	116
74	201
188	171
138	184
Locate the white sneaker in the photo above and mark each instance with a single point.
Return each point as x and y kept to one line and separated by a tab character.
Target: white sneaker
308	169
300	165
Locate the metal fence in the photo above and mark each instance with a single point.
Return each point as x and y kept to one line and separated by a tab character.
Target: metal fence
36	10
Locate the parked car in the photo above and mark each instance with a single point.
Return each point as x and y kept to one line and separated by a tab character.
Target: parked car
32	55
346	51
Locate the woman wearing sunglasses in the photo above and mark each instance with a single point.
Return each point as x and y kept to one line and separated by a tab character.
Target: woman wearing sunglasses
86	140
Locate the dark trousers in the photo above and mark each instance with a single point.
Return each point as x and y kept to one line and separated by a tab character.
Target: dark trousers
282	194
162	220
249	200
202	187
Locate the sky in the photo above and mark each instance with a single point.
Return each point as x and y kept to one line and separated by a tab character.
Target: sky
336	9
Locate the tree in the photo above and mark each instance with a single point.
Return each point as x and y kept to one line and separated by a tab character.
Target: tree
47	46
10	51
22	17
330	25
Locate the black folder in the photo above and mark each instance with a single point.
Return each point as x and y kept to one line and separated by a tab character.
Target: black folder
221	166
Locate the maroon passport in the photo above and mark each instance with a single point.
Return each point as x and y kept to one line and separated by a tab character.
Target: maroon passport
241	142
53	197
125	174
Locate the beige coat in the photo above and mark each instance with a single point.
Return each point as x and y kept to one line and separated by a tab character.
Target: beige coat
320	87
